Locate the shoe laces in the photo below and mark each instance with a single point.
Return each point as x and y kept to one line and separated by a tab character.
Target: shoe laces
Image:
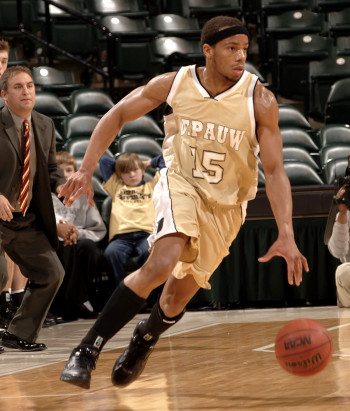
140	347
86	356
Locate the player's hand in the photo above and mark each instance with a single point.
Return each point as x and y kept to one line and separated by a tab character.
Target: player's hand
343	208
76	185
6	209
287	249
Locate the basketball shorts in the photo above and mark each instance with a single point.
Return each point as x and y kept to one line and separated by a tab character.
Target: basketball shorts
211	229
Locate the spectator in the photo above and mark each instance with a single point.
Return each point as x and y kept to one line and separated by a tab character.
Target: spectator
11	292
4	55
80	229
132	215
28	228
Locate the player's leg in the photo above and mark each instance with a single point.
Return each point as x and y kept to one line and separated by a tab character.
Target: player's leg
166	312
342	281
123	305
217	233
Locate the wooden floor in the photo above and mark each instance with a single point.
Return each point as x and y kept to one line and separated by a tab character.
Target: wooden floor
211	360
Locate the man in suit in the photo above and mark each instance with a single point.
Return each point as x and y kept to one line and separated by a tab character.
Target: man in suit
28	174
4	58
12	282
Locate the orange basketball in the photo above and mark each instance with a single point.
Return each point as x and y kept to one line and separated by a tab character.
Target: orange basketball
303	347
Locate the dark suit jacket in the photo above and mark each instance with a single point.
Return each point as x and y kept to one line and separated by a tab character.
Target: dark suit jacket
48	175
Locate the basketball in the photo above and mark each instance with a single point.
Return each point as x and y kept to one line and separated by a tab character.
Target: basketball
303	347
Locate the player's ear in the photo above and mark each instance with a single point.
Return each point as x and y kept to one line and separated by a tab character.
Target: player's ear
207	51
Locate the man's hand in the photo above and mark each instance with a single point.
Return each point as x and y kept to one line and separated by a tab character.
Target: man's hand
76	185
58	188
287	249
6	209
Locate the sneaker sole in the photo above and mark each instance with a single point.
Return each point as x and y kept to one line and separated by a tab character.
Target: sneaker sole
15	347
75	381
122	377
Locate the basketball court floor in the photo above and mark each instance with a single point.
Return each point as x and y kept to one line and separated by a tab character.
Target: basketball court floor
210	360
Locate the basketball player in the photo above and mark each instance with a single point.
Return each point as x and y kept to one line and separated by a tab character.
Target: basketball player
221	116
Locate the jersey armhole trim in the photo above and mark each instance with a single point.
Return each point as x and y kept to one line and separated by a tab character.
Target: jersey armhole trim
175	85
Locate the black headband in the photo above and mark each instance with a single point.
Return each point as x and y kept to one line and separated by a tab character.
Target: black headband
222	34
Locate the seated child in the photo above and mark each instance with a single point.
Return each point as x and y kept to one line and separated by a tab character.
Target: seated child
132	215
80	228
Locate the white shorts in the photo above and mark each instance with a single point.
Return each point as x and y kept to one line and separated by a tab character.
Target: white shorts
179	209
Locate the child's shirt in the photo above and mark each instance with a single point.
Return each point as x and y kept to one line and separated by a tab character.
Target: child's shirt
132	207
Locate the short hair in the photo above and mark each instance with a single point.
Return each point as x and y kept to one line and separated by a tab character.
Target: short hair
218	23
126	162
12	71
4	45
67	158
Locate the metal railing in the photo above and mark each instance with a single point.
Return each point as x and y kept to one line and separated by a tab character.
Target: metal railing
107	75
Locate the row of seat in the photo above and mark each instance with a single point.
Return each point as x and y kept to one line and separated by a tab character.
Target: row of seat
315	157
79	127
83	100
82	121
201	9
311	156
312	47
163	42
313	80
142	136
300	152
302	169
59	95
316	62
34	10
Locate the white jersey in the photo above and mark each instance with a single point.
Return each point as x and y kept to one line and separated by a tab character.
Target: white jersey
214	145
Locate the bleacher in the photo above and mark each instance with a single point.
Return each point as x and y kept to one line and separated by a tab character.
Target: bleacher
290	39
87	54
306	40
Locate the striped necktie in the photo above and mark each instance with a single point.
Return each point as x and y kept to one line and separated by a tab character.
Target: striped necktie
23	198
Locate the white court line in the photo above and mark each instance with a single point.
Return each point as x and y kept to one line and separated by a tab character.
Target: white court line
265	348
106	349
64	395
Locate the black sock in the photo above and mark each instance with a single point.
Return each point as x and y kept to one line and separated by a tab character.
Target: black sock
5	297
17	298
157	323
92	338
122	307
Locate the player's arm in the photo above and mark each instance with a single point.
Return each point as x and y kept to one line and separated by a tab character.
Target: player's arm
137	103
277	184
